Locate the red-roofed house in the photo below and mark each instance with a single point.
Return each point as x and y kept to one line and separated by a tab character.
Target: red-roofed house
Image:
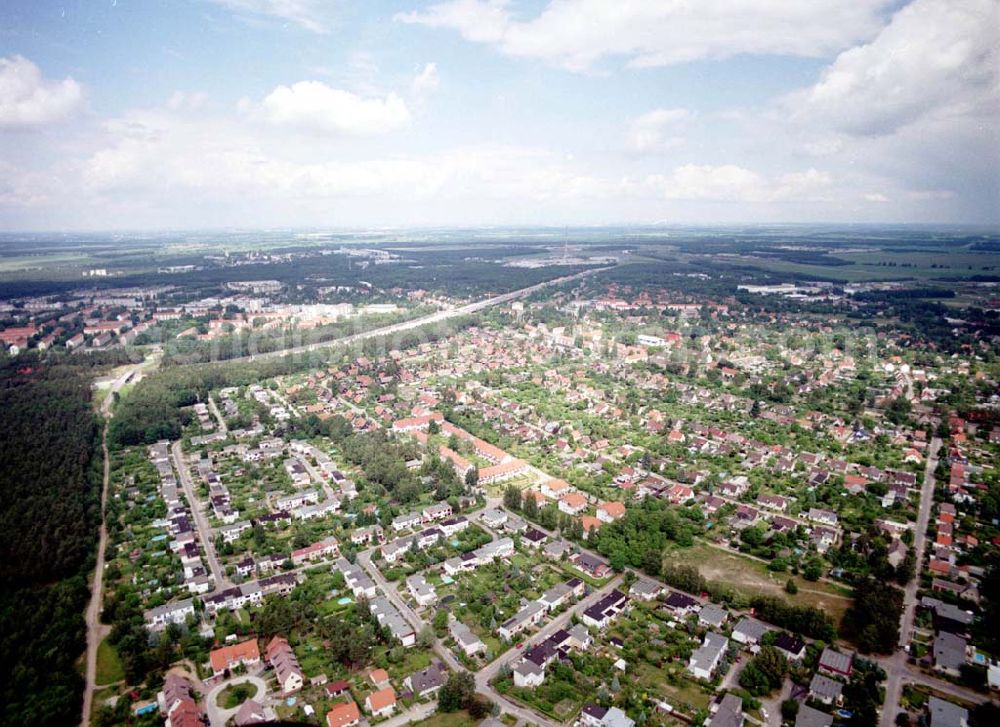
608	512
345	714
229	657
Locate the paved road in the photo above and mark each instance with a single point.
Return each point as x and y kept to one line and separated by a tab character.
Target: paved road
417	712
896	665
317	476
218	415
486	674
96	631
217	716
205	532
437	317
482	685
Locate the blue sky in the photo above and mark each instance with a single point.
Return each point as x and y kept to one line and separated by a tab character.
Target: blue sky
217	113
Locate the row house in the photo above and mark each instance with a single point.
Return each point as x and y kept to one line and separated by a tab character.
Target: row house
325	549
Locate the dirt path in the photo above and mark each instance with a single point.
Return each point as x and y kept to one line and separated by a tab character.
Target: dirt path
96	631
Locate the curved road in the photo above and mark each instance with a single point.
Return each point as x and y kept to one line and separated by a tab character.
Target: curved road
217	716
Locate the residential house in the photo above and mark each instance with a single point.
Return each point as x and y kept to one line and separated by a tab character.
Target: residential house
593	715
422	591
245	653
426	682
573	504
608	512
381	703
530	615
836	663
942	713
345	714
792	647
749	631
467	641
706	659
600	614
809	717
280	656
949	653
826	690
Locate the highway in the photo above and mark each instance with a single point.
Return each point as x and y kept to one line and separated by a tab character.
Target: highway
437	317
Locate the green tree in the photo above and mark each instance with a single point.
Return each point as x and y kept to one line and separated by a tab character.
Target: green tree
456	693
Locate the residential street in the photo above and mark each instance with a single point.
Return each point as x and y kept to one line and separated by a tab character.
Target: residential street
896	665
223	428
217	716
205	533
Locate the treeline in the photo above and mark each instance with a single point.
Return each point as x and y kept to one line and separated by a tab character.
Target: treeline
872	621
877	296
154	410
50	480
639	537
804	620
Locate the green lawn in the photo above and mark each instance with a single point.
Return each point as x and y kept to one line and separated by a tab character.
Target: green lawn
109	666
448	719
235	695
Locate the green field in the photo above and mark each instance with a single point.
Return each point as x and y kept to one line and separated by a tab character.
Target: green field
869	265
109	666
751	577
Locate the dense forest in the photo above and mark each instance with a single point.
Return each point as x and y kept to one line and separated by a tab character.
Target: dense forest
50	478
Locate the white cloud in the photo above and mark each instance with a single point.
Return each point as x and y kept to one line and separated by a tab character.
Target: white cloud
311	15
27	99
426	82
577	33
656	131
732	183
314	106
935	58
876	197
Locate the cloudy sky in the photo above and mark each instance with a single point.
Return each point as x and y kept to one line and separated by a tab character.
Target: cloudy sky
130	114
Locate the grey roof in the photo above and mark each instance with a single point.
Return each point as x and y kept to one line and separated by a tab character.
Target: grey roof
580	633
949	651
430	678
713	615
946	714
825	687
528	667
556	548
554	594
644	587
751	628
387	615
614	717
809	717
948	611
729	714
835	661
463	634
708	653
